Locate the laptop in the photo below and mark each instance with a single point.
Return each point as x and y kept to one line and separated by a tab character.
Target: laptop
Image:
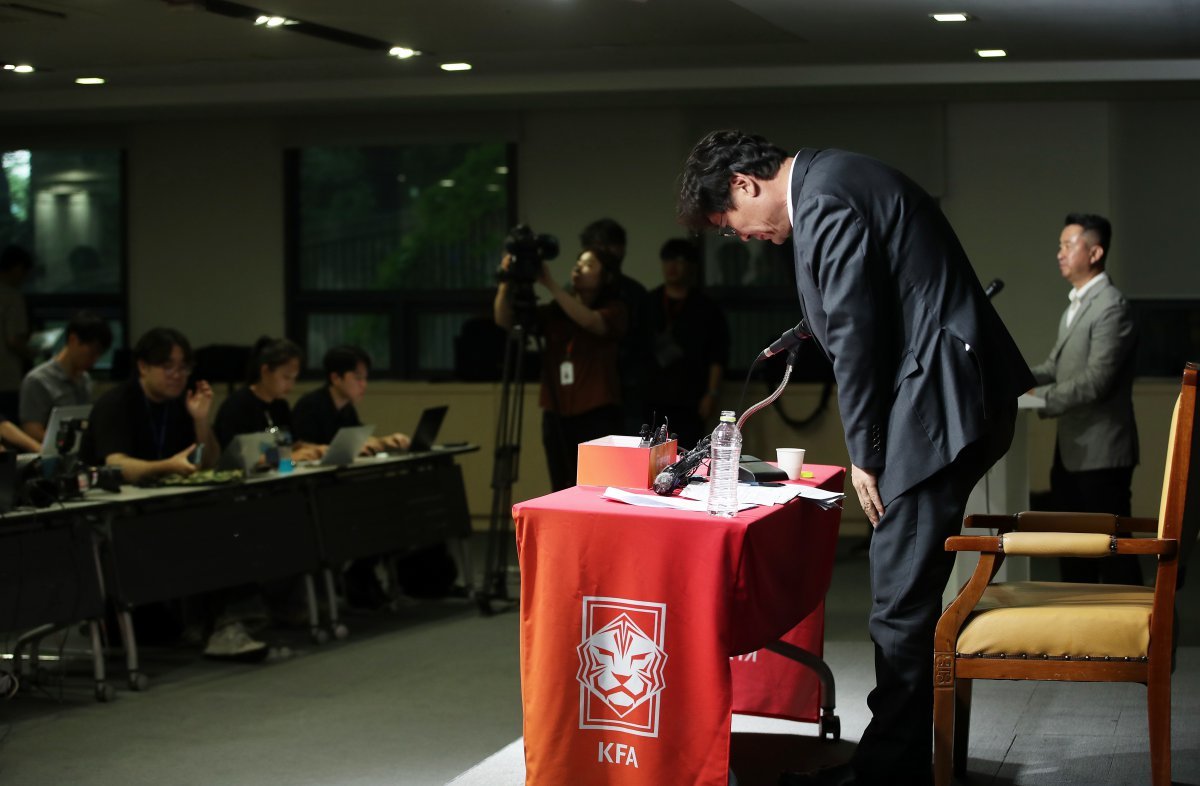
58	416
244	451
427	429
346	445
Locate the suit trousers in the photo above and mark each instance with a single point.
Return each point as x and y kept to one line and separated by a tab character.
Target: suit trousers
1095	491
909	569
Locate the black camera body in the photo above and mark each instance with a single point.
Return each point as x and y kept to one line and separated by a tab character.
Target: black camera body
528	251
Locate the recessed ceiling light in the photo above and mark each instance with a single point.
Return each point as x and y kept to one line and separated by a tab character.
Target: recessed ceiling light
89	80
456	66
956	16
19	69
402	52
273	21
991	53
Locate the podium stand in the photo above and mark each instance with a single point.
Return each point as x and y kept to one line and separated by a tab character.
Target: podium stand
1003	490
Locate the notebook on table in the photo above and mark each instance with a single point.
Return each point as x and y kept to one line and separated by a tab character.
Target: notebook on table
427	429
244	450
347	443
58	416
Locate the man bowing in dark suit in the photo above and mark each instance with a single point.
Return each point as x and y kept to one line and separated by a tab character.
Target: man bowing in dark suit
928	379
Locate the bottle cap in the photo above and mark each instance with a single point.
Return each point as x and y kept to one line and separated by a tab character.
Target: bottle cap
727	416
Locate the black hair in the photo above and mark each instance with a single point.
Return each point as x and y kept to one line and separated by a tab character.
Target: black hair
1099	226
704	184
605	233
272	353
91	328
155	345
680	248
15	256
345	359
610	275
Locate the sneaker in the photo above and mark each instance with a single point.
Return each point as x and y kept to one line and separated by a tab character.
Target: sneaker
233	642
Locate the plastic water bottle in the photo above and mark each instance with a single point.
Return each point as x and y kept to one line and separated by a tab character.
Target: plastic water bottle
725	453
283	443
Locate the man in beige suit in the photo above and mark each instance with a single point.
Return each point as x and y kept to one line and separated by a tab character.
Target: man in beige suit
1089	388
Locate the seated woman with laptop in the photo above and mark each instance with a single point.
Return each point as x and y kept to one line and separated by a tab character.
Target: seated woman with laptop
262	404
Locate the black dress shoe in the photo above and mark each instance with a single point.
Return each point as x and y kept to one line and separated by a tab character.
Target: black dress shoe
837	775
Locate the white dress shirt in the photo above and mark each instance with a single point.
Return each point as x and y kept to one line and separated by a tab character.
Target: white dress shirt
1076	296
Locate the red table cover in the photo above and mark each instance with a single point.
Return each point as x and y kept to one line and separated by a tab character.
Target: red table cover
629	616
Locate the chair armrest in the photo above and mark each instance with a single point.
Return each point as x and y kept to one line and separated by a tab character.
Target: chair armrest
989	544
1125	524
1058	544
1054	521
1164	547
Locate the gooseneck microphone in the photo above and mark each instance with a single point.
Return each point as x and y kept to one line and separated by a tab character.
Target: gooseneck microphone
993	289
790	339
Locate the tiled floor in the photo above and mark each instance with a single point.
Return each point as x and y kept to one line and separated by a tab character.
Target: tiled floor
424	694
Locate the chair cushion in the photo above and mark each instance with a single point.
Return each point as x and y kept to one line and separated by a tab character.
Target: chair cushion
1058	619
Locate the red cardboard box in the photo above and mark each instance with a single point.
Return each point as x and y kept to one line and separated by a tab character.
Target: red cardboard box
618	461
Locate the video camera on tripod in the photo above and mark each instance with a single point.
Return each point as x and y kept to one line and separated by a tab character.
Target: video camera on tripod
528	251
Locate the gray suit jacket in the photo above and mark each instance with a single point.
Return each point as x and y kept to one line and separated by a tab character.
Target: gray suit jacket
924	366
1090	378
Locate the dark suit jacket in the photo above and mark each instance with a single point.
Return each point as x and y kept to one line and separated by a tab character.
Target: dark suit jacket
921	358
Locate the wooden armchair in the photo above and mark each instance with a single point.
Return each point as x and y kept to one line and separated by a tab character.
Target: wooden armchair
1034	630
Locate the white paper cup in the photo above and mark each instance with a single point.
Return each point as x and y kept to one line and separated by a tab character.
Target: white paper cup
791	461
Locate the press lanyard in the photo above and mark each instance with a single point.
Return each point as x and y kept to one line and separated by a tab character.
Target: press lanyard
160	439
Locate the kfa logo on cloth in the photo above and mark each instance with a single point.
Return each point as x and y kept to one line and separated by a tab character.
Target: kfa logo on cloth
621	662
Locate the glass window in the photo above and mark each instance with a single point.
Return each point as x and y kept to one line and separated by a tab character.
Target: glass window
755	282
396	246
66	208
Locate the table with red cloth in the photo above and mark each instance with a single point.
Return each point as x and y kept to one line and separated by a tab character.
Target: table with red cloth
629	618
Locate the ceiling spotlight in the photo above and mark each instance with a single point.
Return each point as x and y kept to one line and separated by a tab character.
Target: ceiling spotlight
402	52
991	53
957	16
273	21
456	66
89	80
19	69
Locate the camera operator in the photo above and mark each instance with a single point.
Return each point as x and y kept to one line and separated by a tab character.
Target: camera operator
580	392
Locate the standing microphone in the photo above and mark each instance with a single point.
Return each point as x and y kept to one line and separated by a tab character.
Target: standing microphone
790	339
993	289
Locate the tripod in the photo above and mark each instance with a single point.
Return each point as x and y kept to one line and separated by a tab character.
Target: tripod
506	461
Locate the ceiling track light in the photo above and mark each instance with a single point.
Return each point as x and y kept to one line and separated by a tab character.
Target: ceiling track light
991	53
262	18
952	16
19	68
455	66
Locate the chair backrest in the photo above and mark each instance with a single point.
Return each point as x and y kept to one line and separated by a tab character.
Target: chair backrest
1179	513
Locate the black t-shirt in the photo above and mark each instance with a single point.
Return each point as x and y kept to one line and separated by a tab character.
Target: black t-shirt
123	420
315	419
245	413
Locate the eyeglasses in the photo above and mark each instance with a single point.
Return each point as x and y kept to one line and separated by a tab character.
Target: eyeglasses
173	370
